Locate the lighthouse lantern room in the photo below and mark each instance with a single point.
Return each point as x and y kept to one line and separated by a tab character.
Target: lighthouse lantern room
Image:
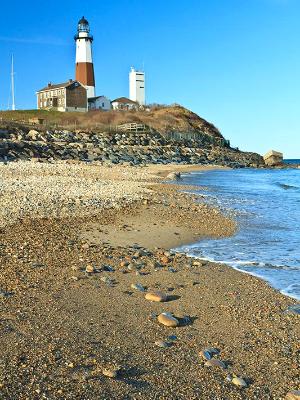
84	59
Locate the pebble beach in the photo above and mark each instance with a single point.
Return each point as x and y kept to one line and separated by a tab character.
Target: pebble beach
95	304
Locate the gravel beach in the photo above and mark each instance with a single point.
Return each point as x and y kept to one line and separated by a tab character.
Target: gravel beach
82	246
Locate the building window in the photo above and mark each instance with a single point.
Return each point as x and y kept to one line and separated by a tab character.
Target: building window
103	105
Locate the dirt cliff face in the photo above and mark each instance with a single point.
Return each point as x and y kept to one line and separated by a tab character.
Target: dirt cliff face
160	118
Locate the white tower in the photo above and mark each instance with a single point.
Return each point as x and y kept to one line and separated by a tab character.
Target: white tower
137	86
84	59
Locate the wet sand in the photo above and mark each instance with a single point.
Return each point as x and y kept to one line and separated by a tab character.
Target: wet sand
60	326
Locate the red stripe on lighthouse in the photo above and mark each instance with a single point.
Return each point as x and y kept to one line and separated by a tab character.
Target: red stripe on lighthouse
85	73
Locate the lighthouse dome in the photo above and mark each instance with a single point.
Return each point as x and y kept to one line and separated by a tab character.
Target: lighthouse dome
83	25
83	21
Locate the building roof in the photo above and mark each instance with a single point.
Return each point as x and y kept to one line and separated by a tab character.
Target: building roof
58	85
95	98
124	100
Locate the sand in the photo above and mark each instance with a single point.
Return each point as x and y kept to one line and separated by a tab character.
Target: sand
60	327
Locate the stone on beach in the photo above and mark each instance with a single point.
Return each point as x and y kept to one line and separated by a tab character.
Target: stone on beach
167	319
162	343
293	395
215	363
137	286
89	269
174	176
239	382
156	296
205	354
164	260
110	373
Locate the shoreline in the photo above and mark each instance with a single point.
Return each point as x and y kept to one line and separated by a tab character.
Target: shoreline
61	326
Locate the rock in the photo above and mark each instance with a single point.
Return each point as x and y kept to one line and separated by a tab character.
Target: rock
89	269
5	294
110	373
213	350
108	268
156	296
239	382
197	264
164	260
174	176
32	135
293	395
215	363
167	319
294	309
205	354
138	286
106	280
161	343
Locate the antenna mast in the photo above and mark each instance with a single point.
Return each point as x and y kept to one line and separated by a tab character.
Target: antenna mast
13	106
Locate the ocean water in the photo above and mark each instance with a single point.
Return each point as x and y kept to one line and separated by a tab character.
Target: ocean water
266	205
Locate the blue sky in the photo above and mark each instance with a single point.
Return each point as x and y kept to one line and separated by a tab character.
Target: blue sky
234	62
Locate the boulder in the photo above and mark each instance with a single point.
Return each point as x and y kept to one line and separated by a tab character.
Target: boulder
32	135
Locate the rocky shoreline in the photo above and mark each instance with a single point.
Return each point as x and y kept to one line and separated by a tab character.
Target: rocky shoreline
18	142
76	317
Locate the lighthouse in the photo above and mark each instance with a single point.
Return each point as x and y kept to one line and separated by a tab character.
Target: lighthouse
84	59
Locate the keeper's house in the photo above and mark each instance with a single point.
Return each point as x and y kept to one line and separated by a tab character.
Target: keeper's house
68	96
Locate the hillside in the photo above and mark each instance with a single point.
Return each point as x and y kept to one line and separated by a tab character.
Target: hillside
168	135
162	119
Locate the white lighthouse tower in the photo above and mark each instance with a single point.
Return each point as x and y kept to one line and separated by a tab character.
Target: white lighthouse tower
84	59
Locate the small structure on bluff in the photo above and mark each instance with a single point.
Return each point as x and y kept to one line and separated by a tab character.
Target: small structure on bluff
273	158
122	103
68	96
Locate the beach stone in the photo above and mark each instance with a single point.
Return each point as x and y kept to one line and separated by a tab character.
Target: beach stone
156	296
89	269
137	286
215	363
108	268
162	343
164	260
167	319
293	395
110	373
239	382
197	264
213	350
106	280
174	176
294	309
205	354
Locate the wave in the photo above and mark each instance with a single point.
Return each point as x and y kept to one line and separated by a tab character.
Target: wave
285	186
